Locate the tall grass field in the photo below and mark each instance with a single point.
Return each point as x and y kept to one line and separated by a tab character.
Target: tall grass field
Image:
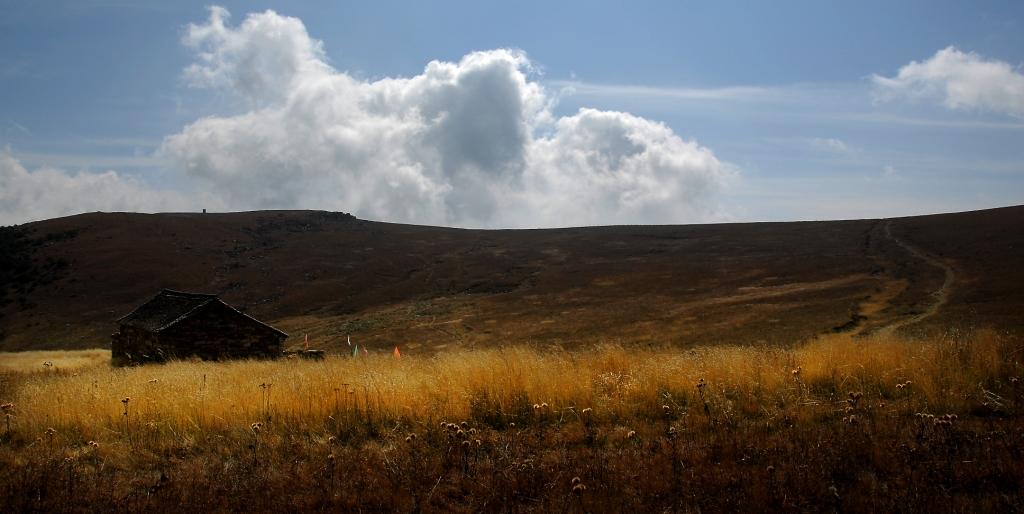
839	424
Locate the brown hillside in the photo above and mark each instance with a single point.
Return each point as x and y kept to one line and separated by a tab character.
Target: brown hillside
427	288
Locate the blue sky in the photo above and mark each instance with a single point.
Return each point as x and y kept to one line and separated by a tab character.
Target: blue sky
774	111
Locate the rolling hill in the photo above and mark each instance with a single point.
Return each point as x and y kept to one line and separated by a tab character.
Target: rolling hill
66	281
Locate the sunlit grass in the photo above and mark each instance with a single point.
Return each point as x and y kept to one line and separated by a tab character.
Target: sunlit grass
821	426
53	360
503	384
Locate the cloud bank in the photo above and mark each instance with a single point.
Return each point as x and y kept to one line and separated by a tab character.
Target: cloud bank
467	143
961	81
51	192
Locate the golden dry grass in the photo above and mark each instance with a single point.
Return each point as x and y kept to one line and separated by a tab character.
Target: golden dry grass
830	425
616	382
69	360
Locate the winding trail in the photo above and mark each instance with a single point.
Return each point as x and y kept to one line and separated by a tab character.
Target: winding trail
941	295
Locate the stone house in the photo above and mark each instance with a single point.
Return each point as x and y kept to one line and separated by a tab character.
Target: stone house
175	324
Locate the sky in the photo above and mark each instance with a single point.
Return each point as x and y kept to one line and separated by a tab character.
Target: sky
513	114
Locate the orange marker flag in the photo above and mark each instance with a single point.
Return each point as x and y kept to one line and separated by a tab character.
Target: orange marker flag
397	354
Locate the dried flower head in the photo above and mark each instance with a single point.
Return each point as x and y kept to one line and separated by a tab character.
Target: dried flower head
701	383
587	411
575	480
153	381
465	444
94	445
578	489
47	364
511	425
126	399
50	432
631	434
7	407
256	427
797	370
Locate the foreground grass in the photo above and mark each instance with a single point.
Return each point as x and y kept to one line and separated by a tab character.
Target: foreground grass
838	424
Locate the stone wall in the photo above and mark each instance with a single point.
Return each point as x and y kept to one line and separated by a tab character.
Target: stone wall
131	344
218	332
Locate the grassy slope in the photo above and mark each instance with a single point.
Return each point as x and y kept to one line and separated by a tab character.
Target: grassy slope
431	289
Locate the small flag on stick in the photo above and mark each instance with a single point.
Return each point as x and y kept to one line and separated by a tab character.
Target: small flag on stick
397	354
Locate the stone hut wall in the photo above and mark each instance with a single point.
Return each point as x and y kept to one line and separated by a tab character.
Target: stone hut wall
219	332
131	344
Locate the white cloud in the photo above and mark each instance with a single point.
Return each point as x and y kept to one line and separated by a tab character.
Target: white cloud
960	80
51	192
469	143
831	144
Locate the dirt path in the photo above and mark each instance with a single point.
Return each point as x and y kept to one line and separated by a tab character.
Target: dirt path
941	295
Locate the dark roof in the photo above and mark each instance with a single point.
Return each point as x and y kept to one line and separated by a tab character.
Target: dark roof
169	307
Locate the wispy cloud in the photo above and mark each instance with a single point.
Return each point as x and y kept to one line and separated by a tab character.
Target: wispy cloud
78	161
13	126
731	93
830	143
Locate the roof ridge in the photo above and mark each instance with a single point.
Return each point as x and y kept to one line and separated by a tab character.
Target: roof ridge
188	313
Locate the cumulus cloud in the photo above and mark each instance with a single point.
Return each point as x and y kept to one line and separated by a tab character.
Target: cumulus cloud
960	80
469	143
51	192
